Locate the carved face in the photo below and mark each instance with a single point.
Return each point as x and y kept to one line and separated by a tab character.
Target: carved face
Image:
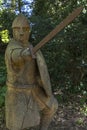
21	33
21	29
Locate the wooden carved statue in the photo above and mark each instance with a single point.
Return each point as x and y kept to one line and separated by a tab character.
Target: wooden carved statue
29	100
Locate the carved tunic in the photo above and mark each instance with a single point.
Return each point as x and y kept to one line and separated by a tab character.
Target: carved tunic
25	96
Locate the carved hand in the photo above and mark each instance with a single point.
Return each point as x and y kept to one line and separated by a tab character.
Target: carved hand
25	52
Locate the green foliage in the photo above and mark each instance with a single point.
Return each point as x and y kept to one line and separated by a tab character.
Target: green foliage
84	110
4	36
2	96
2	70
66	54
6	18
2	80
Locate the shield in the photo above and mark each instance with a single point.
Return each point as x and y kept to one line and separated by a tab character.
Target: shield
44	73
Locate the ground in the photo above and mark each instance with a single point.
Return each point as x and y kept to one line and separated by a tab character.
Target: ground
69	116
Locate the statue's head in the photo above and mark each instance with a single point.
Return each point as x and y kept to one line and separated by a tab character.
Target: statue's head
21	29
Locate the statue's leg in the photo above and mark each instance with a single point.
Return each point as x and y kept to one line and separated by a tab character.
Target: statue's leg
46	116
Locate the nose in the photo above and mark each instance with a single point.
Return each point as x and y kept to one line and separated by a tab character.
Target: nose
21	31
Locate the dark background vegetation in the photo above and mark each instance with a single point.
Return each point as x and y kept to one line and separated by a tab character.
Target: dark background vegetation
65	54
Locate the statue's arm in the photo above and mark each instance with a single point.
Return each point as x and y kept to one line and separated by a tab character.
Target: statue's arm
15	55
18	54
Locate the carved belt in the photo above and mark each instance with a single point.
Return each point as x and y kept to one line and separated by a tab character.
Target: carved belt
21	86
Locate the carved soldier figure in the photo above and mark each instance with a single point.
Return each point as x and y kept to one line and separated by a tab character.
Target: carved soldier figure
29	99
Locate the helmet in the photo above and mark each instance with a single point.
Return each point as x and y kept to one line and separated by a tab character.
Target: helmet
20	20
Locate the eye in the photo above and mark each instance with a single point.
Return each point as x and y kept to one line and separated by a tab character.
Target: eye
25	29
16	28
